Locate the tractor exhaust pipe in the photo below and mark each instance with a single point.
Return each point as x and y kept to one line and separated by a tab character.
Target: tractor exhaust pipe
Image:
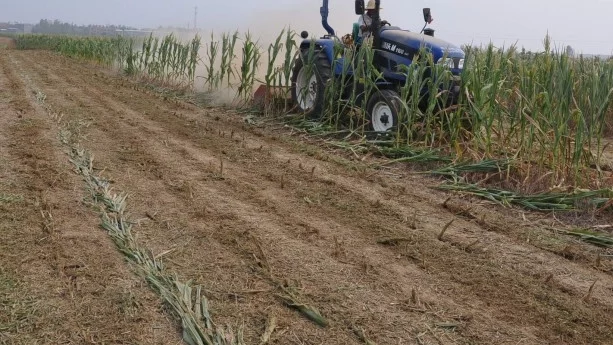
376	23
324	18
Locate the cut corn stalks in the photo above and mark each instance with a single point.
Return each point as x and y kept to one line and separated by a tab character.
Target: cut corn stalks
537	202
597	239
188	303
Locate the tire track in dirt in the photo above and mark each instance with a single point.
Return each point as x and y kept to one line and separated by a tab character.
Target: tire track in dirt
235	173
49	237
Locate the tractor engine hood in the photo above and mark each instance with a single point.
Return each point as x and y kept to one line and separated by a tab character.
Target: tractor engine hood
407	44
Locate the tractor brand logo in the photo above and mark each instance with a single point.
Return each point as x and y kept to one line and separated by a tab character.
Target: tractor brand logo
389	46
394	48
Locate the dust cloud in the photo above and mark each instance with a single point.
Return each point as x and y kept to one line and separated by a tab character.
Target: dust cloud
264	26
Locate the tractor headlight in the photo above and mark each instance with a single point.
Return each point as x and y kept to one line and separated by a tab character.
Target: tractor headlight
451	63
447	62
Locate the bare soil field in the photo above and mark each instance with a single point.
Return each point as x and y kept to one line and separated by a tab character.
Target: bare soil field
249	212
6	42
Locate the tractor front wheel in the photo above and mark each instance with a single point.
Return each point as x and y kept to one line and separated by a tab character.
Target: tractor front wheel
383	109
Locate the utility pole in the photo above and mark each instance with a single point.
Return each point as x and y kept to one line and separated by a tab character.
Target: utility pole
196	18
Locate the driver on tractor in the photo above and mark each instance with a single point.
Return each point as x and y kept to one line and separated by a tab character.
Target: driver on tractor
365	25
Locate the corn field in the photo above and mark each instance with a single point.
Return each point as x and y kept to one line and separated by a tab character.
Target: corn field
106	51
547	110
545	113
165	60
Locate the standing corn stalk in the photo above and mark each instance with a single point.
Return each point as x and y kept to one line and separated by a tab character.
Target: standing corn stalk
273	53
249	66
227	57
211	77
193	59
285	77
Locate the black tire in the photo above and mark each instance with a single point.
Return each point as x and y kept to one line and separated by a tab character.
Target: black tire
383	109
322	73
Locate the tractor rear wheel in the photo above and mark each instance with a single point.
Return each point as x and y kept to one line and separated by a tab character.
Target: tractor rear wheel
383	109
309	84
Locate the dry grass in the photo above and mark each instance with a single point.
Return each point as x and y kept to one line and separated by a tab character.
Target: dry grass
10	198
18	311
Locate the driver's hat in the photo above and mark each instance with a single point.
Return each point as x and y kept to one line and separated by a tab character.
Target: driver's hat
371	5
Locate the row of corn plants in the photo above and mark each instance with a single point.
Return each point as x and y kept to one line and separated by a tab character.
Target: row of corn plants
106	51
230	61
240	63
164	60
548	110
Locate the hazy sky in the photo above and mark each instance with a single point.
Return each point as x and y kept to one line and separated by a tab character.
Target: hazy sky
586	25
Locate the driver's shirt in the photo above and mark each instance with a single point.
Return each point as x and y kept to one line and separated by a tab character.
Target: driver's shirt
364	20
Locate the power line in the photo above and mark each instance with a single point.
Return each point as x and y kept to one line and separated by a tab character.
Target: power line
196	18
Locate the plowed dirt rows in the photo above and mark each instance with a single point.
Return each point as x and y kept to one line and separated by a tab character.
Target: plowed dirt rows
221	202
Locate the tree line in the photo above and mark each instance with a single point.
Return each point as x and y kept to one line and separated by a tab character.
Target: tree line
46	26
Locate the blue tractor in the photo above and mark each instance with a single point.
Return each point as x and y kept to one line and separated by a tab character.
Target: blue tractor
392	47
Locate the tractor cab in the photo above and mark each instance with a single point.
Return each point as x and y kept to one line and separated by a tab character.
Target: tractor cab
381	26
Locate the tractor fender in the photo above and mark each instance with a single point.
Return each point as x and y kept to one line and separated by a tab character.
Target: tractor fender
325	45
